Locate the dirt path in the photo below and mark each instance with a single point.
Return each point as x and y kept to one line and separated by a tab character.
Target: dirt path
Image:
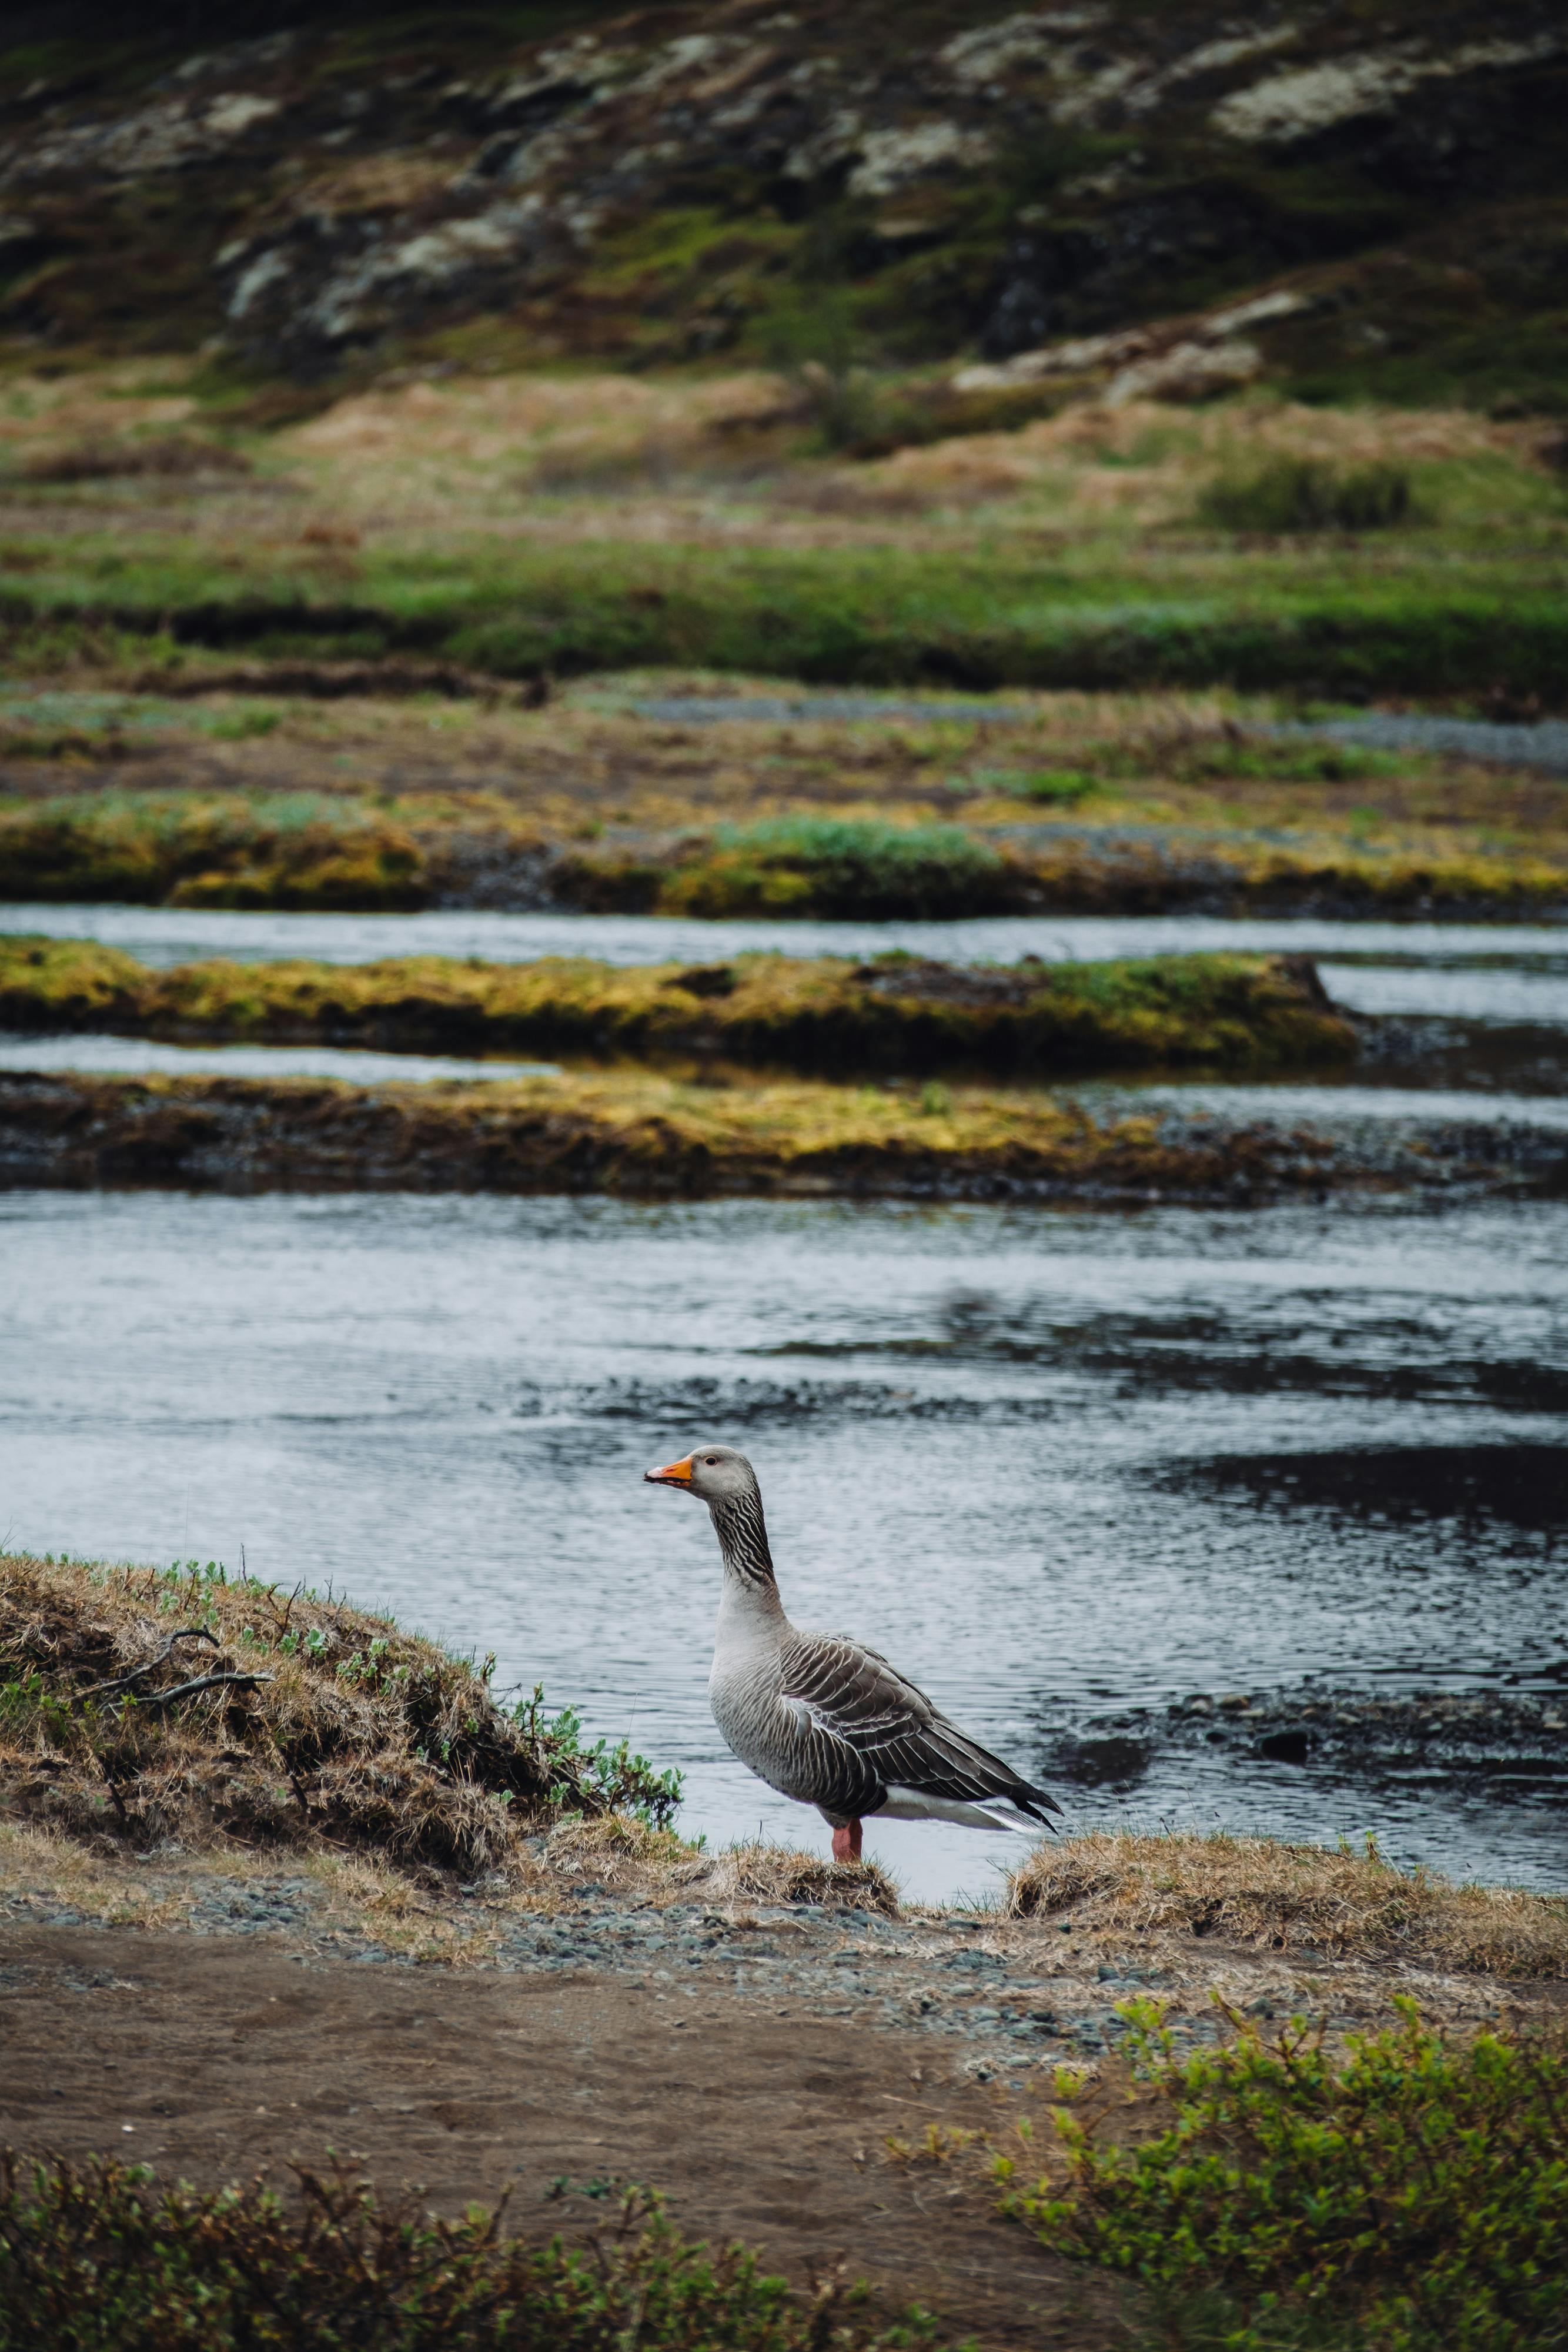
211	2057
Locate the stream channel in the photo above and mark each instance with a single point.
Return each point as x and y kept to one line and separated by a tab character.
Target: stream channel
1250	1518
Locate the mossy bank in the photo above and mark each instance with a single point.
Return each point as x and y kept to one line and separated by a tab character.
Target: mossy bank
641	1135
308	852
898	1014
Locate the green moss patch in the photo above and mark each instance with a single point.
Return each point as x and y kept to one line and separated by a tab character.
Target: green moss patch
825	1015
188	850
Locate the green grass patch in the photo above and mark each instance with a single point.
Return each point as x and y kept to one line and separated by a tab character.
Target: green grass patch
837	866
1407	2195
105	2259
1349	625
1057	787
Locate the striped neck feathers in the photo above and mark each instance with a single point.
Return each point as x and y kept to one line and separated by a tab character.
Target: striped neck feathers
743	1540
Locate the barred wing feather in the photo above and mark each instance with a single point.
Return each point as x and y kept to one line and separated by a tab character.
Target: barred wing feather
864	1729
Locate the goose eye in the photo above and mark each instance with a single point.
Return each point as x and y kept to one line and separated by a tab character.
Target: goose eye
710	1461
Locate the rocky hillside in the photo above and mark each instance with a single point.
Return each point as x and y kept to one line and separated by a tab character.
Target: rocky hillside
352	193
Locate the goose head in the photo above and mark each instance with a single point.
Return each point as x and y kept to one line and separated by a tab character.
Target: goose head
714	1474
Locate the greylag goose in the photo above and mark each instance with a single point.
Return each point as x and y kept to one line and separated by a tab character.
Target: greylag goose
823	1718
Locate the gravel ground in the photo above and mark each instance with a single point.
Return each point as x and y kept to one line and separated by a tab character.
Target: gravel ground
1016	2000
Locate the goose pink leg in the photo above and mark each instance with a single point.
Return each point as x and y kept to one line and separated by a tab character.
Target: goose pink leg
847	1842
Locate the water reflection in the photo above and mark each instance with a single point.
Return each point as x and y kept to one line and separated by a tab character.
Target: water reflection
1040	1458
139	1057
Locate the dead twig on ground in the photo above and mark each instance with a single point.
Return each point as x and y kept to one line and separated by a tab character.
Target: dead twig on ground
203	1682
122	1681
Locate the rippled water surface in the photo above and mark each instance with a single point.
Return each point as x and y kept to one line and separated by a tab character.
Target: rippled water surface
139	1057
168	935
1065	1468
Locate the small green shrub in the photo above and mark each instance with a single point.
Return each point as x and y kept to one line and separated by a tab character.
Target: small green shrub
1288	494
1057	787
1409	2196
102	2259
239	725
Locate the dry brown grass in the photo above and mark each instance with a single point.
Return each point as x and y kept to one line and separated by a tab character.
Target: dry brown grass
1285	1897
142	1707
550	433
1145	461
778	1874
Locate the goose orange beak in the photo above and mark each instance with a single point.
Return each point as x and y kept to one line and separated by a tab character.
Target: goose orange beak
674	1474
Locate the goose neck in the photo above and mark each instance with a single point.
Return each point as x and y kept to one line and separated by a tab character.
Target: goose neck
743	1543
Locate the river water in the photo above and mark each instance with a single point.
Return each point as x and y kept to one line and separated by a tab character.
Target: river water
1069	1469
1072	1470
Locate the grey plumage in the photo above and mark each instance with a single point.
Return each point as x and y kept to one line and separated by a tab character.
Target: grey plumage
820	1717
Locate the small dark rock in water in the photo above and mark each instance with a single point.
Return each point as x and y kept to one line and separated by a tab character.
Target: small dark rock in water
1116	1762
1286	1746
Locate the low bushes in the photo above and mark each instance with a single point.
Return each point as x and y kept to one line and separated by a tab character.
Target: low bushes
1409	2195
171	456
103	2259
890	615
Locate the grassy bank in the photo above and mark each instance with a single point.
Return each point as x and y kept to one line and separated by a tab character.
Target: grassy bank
1286	1897
140	1706
639	1134
530	526
643	1136
1143	845
898	1014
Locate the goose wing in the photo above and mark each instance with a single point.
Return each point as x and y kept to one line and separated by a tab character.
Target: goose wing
863	1730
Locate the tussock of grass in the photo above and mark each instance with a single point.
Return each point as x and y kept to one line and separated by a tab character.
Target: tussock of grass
1292	1898
140	1707
1296	494
1405	2196
776	1874
103	2258
825	1015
